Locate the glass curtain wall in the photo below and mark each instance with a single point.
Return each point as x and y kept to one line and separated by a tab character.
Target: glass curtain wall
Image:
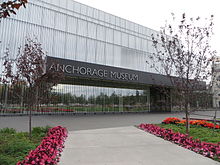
71	30
76	99
79	98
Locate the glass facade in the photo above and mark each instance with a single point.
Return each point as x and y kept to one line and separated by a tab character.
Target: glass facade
68	29
71	30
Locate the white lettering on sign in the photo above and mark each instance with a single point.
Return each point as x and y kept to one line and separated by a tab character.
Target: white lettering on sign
81	70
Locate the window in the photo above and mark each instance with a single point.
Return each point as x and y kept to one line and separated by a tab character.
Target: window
109	35
63	3
70	5
77	7
107	18
91	49
56	2
96	13
90	12
117	56
109	54
124	39
82	27
144	45
123	25
132	26
84	9
141	29
136	27
101	16
131	41
60	21
81	49
91	30
100	58
59	43
117	37
128	59
100	33
118	21
48	19
71	25
112	19
138	43
127	24
71	46
47	40
35	14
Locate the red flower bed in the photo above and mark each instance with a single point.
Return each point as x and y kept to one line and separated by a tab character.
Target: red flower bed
48	152
203	123
207	149
171	120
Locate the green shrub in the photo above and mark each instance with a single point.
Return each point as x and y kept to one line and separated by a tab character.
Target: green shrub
14	146
7	131
7	160
40	130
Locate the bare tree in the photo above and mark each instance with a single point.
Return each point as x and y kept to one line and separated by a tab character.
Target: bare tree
10	7
29	68
184	54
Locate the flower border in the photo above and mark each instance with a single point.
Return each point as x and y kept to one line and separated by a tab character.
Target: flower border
203	123
210	150
48	152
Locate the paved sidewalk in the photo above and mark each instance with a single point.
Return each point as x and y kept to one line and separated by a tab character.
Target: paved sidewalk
86	122
125	146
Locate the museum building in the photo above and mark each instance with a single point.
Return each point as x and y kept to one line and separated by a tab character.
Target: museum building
102	56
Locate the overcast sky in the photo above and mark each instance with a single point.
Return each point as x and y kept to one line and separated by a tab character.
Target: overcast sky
153	13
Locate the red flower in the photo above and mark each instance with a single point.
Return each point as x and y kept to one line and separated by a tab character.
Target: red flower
207	149
171	120
203	123
49	150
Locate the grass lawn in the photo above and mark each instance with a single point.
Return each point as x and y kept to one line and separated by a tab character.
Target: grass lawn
197	132
14	146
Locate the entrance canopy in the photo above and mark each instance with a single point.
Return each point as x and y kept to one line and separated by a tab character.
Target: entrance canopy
102	75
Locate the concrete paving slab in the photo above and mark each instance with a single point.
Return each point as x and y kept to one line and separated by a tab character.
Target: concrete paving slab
125	146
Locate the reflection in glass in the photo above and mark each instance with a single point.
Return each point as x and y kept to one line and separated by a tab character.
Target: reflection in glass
97	99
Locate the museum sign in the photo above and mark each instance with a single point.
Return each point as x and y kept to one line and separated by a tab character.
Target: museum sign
78	69
93	72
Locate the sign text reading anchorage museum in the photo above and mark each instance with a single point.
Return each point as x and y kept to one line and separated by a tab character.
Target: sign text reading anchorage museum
78	69
85	70
88	70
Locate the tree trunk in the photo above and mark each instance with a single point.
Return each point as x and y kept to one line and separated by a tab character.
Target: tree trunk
187	118
6	97
32	101
215	116
30	122
36	99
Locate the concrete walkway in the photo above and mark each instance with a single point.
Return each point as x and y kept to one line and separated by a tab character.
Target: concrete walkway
125	146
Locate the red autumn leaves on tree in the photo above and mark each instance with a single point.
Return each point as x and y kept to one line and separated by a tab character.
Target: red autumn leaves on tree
9	7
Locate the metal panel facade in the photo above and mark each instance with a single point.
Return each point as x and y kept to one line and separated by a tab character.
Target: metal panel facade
73	31
70	30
